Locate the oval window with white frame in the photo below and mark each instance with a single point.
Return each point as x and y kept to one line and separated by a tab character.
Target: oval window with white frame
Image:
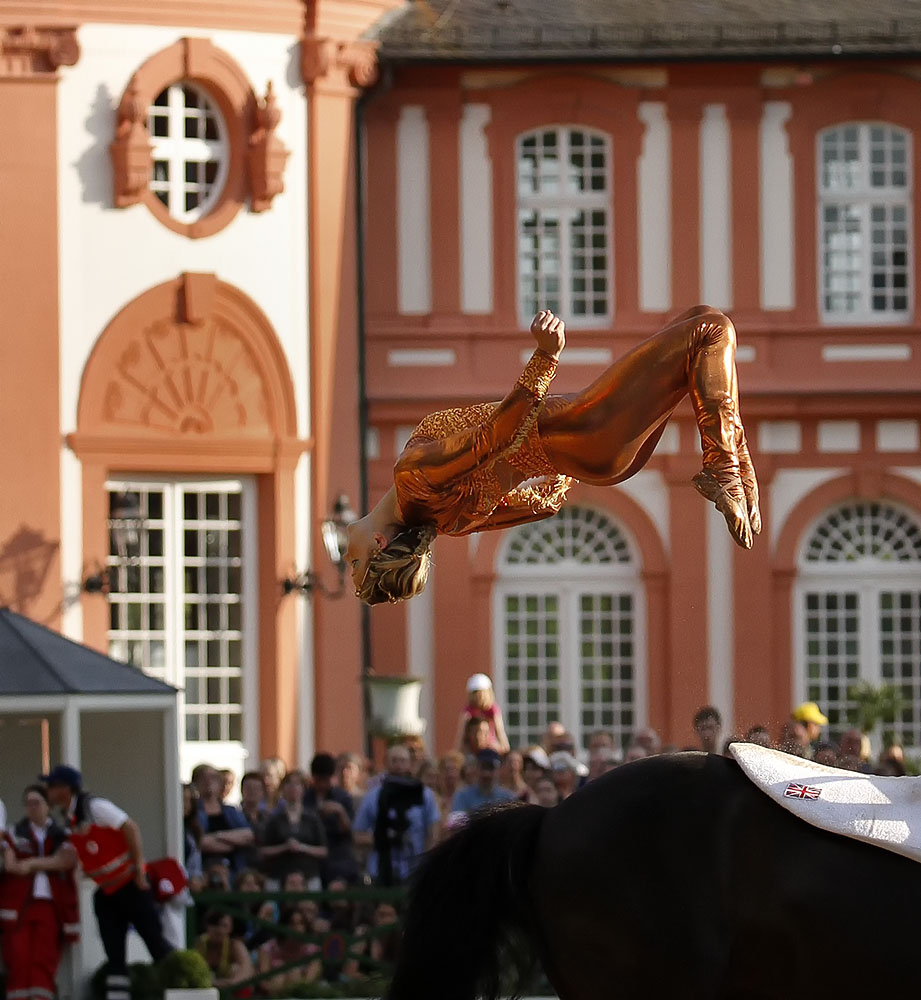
190	150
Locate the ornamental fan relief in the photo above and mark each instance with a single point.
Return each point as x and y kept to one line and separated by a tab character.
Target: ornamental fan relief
865	531
190	379
575	535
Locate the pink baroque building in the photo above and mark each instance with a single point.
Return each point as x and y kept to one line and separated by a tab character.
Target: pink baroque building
179	344
618	163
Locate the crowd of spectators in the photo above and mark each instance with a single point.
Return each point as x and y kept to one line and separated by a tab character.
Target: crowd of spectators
341	826
291	832
296	844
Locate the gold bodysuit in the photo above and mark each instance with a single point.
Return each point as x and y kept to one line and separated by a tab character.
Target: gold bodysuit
448	473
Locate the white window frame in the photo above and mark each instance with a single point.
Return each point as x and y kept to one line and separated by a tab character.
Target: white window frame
863	197
568	580
177	151
220	753
563	205
867	577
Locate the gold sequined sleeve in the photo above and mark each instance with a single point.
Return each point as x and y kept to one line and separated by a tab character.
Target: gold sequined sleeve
456	456
508	516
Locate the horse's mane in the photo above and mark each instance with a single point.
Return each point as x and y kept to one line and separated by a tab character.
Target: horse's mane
464	934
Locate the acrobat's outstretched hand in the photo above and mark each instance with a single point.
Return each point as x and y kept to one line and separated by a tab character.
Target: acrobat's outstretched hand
550	333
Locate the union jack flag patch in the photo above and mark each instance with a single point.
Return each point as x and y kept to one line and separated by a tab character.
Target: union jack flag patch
795	791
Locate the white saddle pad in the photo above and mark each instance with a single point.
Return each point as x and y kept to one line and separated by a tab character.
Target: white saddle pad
884	811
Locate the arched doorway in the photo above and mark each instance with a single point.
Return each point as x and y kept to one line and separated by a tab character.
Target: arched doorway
569	627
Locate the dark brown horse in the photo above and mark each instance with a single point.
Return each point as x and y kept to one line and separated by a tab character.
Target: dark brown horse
673	877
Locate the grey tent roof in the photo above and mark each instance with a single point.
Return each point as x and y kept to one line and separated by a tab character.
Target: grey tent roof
35	660
594	30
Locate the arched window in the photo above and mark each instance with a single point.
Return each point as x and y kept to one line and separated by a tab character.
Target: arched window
569	629
859	598
192	140
865	196
190	150
564	225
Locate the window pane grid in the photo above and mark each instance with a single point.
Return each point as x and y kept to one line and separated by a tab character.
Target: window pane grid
576	534
843	258
532	665
865	530
540	260
190	151
889	258
900	660
865	240
137	598
606	658
213	615
564	224
195	598
832	653
589	263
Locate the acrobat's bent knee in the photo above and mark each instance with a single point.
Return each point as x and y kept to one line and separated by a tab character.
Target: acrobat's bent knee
714	328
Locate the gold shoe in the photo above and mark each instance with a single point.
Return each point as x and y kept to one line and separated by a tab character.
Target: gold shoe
722	478
749	479
724	488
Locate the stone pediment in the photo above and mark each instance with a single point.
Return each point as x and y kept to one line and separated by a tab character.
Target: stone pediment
187	364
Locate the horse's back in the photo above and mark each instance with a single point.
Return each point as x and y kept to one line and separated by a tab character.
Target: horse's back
676	870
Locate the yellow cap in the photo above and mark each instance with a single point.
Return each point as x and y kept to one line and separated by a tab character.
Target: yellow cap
809	712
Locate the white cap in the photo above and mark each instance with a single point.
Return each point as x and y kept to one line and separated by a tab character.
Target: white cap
478	682
562	760
538	755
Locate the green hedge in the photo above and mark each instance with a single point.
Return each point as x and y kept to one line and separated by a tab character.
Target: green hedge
181	970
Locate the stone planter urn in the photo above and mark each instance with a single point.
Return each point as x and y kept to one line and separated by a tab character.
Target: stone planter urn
394	706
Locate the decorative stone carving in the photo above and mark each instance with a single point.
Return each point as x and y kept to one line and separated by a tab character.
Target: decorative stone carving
336	63
360	61
131	151
30	51
198	60
266	156
190	375
189	379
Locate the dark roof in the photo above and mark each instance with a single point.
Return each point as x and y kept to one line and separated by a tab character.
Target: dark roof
36	660
593	30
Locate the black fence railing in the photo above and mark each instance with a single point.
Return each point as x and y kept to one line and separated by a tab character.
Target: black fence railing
351	964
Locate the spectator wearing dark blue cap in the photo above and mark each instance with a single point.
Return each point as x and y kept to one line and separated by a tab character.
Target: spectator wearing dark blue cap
486	790
108	844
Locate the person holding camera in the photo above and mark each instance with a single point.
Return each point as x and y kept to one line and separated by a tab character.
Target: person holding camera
399	820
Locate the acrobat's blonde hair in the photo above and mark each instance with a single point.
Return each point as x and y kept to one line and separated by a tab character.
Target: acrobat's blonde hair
401	569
